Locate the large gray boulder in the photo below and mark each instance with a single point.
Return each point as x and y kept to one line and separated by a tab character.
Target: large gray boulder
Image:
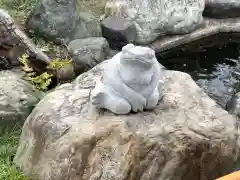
187	136
61	21
160	17
17	99
222	8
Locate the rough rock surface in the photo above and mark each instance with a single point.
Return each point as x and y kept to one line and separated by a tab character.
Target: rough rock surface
87	26
118	32
18	98
88	52
222	8
210	27
14	42
160	17
60	21
131	81
233	106
115	8
186	137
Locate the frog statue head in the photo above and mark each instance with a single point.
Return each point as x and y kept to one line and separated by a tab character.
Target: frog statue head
137	56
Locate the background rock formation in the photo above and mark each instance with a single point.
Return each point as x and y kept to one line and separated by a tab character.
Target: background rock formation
161	17
88	52
62	21
17	99
200	37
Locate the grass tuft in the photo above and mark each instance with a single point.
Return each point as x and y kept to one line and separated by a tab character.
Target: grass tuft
8	147
19	9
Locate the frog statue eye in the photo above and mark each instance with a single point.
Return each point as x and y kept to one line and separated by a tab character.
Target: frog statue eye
126	48
150	54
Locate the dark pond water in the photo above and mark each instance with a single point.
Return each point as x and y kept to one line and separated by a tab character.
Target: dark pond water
216	70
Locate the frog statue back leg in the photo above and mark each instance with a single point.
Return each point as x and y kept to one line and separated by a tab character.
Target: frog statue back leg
152	100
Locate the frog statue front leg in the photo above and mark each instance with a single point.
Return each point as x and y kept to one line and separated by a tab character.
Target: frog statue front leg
104	96
153	99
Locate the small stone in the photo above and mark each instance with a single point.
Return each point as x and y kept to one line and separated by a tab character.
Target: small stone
87	26
4	64
88	52
233	106
118	31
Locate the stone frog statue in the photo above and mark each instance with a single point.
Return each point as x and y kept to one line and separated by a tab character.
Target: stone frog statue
130	81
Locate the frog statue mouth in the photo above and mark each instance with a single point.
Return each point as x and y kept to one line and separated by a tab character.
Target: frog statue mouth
145	61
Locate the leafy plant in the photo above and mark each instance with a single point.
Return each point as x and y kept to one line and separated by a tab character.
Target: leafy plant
43	80
26	67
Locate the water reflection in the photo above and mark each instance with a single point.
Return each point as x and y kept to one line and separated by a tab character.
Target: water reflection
216	70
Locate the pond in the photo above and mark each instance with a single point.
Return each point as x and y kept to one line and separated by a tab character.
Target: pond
215	69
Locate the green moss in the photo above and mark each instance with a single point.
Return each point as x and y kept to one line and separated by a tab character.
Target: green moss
59	64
